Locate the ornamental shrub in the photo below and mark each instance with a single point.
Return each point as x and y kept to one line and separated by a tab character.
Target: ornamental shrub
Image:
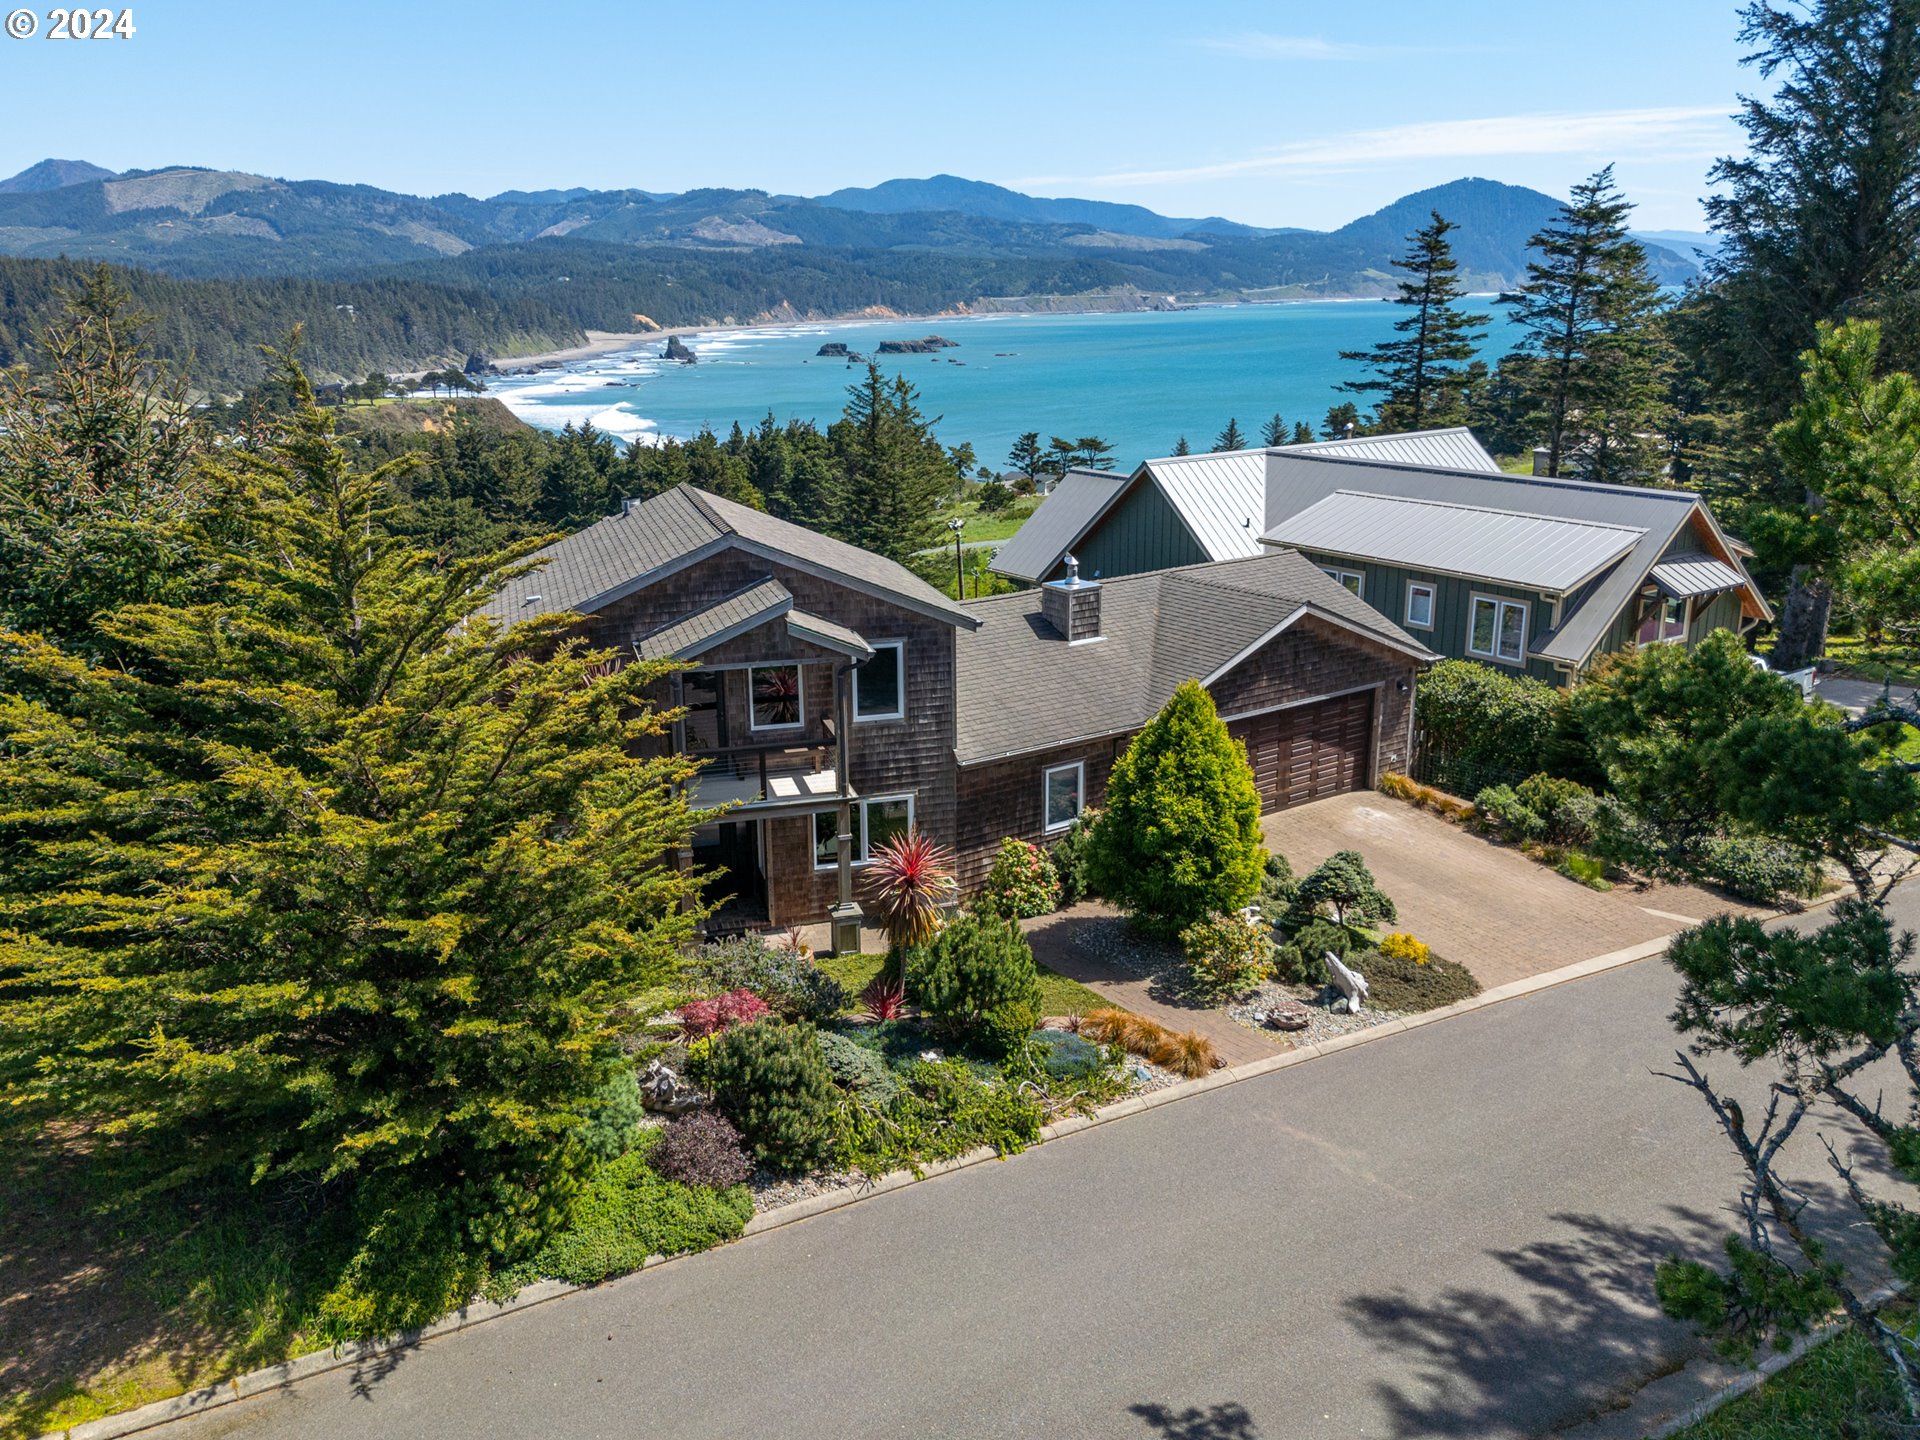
1303	959
1402	946
1069	855
1502	807
1277	888
773	1083
1756	870
856	1068
701	1018
627	1212
1180	836
1342	888
701	1149
977	978
1478	724
1566	809
612	1115
1397	983
1227	956
1022	883
943	1110
785	978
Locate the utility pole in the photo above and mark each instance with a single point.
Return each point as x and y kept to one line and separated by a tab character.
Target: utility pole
959	566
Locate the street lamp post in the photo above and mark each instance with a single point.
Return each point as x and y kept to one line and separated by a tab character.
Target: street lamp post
959	567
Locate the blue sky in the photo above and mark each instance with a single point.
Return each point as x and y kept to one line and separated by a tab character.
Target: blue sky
1278	114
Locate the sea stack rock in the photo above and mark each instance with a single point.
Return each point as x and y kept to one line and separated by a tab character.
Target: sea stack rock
834	350
676	350
917	347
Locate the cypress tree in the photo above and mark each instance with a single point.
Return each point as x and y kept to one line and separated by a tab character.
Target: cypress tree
1421	376
336	885
1589	310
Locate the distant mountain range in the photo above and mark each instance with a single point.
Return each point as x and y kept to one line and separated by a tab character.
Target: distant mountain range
193	222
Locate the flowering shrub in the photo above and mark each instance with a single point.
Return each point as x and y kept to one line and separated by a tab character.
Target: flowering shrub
1226	955
786	978
1402	946
1021	884
701	1018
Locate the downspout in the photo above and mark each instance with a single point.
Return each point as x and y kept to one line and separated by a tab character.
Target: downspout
843	842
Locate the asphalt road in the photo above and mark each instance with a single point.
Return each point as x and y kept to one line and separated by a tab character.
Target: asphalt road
1449	1232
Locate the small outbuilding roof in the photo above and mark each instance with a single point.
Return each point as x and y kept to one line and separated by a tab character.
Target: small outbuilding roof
1077	499
1504	546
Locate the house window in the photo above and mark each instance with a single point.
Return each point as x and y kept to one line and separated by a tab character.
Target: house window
880	683
875	822
1419	605
1062	793
777	699
1348	578
1498	630
1666	622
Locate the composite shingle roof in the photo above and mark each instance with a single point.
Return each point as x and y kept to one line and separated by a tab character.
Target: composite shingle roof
701	631
1539	551
1297	481
1028	689
1219	496
652	538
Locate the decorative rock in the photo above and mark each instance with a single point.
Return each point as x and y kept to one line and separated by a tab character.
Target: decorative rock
1287	1015
664	1092
1350	983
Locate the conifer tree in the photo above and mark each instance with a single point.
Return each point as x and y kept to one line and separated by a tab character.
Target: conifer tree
1420	376
1589	312
1026	455
1179	838
1230	438
1275	431
1302	433
895	474
1343	422
1180	446
337	884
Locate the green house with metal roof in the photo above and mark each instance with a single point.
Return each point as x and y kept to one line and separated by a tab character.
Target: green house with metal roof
1520	571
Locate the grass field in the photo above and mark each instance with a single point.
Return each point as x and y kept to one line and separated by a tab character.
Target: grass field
1888	660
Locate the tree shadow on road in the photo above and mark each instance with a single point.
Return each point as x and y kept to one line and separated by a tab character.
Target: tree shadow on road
1575	1336
1216	1422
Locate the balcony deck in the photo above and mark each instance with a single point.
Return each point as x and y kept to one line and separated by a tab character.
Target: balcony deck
766	777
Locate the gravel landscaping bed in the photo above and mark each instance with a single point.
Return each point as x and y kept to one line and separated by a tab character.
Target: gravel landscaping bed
1110	938
1323	1023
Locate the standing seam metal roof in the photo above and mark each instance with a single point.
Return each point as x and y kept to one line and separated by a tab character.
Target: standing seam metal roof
1080	498
1685	576
1505	546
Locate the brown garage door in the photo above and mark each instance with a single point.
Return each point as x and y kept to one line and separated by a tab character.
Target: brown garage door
1309	752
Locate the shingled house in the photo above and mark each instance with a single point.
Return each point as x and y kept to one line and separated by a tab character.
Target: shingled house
837	700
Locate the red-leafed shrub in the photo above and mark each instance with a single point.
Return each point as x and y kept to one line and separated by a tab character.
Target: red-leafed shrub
701	1149
723	1012
885	997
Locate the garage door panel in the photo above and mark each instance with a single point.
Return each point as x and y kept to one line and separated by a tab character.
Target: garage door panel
1309	752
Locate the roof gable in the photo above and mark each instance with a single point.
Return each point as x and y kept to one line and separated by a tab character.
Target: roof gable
1072	508
651	539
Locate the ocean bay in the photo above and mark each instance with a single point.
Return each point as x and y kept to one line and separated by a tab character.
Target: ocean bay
1140	380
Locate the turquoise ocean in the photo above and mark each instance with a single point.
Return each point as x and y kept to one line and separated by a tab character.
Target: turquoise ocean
1139	380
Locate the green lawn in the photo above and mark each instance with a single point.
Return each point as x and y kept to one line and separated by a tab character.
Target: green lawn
1840	1391
979	526
1886	660
1058	994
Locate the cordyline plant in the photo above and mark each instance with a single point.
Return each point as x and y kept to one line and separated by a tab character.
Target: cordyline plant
908	881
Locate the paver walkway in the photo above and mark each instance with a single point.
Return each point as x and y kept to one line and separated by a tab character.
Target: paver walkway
1054	945
1489	907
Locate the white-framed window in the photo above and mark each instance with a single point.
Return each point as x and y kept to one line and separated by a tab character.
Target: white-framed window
1497	630
880	683
875	822
1665	623
1349	578
1063	790
778	697
1419	605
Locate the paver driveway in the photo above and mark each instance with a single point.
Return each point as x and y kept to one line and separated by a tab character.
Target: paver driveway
1503	916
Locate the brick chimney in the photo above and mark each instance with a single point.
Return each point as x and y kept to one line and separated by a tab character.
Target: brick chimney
1072	605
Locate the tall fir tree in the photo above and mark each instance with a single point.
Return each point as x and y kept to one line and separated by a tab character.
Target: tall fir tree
1181	447
1276	430
1026	456
1230	438
1592	358
1421	376
1819	220
1343	421
896	474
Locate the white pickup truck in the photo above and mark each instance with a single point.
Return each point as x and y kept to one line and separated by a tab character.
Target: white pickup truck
1802	680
